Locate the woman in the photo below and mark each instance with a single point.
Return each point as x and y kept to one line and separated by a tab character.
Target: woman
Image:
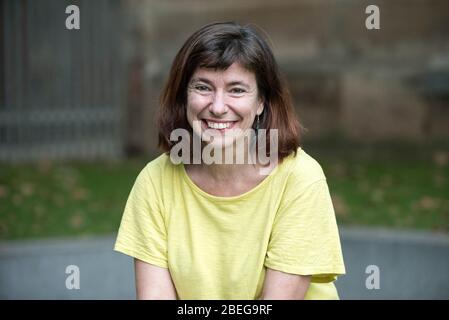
203	229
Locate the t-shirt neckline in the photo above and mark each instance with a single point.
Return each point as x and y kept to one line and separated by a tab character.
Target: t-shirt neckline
260	185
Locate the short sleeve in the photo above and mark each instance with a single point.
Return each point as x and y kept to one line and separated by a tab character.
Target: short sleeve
304	238
142	233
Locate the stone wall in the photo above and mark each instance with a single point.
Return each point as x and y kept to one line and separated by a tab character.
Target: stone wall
391	83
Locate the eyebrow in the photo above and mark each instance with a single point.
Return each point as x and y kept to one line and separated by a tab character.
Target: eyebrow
233	83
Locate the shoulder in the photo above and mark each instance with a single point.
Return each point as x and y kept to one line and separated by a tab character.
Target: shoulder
162	162
307	167
303	170
153	180
157	170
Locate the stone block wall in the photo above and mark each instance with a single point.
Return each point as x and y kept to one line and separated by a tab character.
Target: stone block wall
363	84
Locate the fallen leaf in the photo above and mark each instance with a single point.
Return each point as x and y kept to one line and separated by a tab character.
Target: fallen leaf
440	158
77	220
26	188
44	166
428	203
3	191
386	181
79	194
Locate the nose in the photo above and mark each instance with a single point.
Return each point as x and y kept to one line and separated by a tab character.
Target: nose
218	106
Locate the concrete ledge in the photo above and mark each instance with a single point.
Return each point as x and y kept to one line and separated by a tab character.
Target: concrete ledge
412	265
381	235
36	270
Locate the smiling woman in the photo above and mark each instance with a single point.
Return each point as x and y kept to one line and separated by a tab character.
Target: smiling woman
206	230
223	100
225	104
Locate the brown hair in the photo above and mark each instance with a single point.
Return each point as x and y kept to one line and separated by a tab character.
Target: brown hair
218	46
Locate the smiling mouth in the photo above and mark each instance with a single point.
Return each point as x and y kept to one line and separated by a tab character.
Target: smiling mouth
218	125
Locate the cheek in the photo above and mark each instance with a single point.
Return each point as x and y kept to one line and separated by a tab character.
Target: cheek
197	102
192	108
247	109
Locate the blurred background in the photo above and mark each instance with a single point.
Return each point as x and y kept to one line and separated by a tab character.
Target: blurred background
77	111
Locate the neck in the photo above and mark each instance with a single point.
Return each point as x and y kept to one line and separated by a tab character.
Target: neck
227	170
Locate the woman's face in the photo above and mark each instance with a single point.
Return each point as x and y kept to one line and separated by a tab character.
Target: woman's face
222	101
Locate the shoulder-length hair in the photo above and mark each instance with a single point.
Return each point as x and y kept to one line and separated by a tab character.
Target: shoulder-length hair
218	46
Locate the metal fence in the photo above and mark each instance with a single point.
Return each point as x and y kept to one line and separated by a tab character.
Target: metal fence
62	92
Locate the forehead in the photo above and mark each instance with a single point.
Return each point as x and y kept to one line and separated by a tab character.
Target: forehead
235	72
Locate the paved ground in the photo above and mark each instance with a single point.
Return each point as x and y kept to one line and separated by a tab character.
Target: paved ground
411	266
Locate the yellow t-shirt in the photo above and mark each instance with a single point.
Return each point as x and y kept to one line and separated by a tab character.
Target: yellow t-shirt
219	247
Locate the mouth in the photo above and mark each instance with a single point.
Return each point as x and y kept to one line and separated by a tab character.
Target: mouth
219	126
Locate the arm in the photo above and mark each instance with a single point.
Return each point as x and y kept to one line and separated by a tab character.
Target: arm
153	283
284	286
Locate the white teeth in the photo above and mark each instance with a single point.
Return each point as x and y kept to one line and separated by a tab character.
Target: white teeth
218	125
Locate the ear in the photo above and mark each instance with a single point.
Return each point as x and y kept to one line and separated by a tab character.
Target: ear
260	108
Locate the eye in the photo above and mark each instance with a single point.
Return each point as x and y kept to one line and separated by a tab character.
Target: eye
202	88
237	90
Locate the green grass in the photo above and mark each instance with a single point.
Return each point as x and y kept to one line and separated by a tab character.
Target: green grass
50	199
395	186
